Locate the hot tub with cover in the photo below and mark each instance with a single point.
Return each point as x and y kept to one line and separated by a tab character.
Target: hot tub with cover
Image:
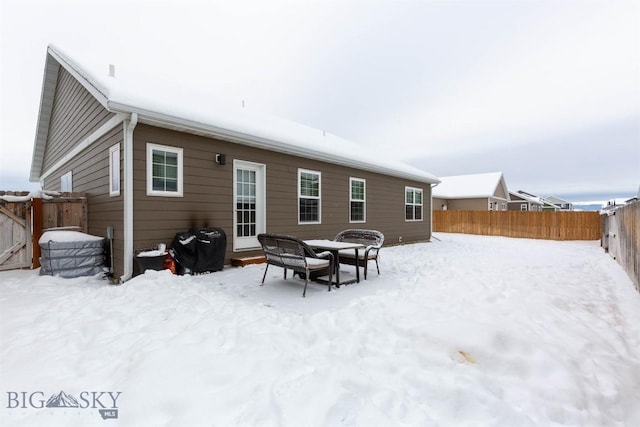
68	253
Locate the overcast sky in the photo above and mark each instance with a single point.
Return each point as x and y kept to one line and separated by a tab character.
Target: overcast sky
547	92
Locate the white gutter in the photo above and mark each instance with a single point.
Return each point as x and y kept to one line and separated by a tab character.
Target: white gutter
129	126
431	204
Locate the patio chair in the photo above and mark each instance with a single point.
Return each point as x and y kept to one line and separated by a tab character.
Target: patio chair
291	253
372	239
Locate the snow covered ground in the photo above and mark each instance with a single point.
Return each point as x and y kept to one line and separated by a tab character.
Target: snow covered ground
465	331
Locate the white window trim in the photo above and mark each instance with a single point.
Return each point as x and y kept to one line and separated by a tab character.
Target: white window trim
300	172
66	182
115	149
523	207
364	200
176	150
414	189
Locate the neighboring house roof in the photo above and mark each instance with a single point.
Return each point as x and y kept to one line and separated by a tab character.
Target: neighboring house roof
191	110
557	200
541	200
470	186
523	196
558	203
530	195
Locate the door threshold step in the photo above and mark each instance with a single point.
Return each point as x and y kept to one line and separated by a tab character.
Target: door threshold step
241	262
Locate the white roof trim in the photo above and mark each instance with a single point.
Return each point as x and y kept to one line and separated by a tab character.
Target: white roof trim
99	92
49	81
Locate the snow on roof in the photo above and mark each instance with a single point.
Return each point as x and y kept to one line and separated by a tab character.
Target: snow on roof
468	186
526	196
555	200
534	198
193	109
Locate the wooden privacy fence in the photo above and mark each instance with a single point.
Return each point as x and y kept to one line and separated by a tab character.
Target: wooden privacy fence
23	219
621	238
530	225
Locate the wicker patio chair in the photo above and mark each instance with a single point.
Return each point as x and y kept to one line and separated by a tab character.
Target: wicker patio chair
291	253
372	239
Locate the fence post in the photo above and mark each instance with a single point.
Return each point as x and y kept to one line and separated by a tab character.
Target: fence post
36	221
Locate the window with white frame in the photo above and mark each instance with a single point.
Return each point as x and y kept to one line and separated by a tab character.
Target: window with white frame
523	207
309	196
66	182
503	206
413	204
164	171
114	170
357	200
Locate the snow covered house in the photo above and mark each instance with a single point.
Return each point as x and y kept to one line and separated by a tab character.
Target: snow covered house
155	160
522	201
475	192
562	204
550	203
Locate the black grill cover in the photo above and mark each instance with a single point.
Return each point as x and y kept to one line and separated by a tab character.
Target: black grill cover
200	250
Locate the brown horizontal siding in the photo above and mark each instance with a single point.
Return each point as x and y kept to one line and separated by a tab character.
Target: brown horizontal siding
75	115
514	205
207	191
438	204
468	204
90	172
208	194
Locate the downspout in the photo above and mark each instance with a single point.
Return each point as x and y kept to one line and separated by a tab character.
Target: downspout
431	205
129	126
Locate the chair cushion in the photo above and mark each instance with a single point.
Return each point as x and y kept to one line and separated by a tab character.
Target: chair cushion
316	264
350	253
